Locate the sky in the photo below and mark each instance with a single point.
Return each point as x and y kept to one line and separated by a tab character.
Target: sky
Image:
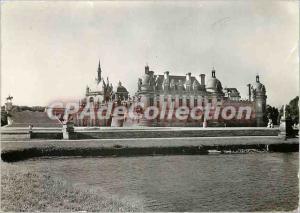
50	50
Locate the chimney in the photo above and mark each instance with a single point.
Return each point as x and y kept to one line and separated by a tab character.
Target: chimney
146	69
166	74
202	76
188	76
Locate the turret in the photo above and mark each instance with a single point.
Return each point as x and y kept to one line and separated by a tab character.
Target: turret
260	99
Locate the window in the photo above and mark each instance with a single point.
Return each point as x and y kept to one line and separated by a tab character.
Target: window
195	102
158	101
180	102
151	102
188	102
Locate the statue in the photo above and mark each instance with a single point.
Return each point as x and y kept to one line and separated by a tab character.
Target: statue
270	122
282	126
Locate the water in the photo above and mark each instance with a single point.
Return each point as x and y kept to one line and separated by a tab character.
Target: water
237	182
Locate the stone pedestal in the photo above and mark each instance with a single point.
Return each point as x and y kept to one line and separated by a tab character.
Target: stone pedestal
30	131
68	131
117	122
204	123
282	128
283	125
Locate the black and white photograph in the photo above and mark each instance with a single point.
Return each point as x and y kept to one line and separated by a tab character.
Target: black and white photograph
149	106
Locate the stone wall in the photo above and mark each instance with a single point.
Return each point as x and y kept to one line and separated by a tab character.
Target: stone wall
169	133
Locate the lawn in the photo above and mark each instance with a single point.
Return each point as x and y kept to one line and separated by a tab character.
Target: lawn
23	189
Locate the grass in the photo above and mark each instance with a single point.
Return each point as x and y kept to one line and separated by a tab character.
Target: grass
37	119
23	189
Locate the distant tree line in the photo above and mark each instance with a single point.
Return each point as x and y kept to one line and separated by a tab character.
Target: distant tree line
24	108
3	117
292	110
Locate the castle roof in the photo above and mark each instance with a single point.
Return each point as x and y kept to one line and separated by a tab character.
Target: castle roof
174	78
121	89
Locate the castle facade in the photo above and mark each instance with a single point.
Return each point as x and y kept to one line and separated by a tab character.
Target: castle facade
168	93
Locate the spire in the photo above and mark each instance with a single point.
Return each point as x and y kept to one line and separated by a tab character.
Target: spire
249	91
99	72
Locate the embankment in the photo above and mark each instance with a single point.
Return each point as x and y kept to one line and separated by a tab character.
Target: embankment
126	132
16	151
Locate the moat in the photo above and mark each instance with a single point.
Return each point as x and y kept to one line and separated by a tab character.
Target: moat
239	182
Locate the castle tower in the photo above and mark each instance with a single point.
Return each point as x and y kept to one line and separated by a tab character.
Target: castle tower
146	92
260	99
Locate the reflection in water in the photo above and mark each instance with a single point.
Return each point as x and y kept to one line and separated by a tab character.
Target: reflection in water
239	182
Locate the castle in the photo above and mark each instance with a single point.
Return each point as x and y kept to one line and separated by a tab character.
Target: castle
170	92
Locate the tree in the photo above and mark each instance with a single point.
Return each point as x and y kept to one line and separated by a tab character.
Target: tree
292	110
3	117
272	113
